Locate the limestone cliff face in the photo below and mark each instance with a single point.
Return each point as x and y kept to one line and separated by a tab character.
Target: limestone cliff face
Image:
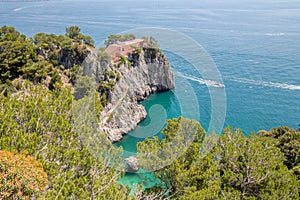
142	74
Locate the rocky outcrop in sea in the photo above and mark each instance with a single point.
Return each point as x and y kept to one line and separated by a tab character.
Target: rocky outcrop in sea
131	164
136	77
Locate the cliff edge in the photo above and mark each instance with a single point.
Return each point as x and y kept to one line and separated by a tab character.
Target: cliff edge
136	76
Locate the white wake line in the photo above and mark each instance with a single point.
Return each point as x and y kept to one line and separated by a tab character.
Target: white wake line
266	84
211	83
18	9
22	8
208	83
275	34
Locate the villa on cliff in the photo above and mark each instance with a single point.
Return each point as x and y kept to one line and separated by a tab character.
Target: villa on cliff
123	48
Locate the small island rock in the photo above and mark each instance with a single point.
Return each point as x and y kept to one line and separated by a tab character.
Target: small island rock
132	165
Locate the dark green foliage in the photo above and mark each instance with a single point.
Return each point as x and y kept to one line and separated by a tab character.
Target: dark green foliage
253	168
114	38
48	46
55	82
67	45
73	72
7	87
71	53
108	83
37	59
16	51
289	144
73	32
37	71
9	33
106	86
288	140
203	178
20	57
280	131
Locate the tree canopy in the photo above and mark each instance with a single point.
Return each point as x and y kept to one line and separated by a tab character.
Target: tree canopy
16	51
230	167
73	32
114	38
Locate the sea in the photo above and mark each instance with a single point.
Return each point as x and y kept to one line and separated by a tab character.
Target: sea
253	48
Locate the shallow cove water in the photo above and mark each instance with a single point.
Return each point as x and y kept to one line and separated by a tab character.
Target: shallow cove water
170	104
166	100
160	107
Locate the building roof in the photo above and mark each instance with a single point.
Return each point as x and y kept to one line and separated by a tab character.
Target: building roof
111	48
123	48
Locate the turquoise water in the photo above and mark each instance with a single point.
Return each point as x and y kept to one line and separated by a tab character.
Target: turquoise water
254	44
170	104
140	178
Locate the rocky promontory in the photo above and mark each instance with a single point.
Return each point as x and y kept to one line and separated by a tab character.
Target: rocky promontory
138	75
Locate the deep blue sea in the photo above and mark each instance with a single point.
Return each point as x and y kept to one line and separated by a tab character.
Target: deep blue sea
255	46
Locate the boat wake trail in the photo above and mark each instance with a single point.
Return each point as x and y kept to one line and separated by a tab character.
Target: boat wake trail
266	84
18	9
25	7
208	83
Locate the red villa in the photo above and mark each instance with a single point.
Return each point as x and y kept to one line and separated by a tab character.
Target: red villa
123	48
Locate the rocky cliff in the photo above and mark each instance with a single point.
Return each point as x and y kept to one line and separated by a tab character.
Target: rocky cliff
136	77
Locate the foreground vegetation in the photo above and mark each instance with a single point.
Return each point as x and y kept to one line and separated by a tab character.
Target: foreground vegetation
264	166
50	149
